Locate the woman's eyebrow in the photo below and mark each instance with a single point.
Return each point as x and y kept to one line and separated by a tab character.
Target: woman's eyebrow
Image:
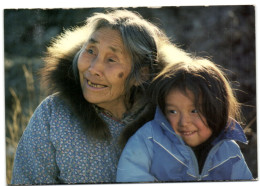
115	49
92	40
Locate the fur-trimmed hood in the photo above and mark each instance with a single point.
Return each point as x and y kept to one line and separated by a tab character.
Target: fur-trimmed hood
58	76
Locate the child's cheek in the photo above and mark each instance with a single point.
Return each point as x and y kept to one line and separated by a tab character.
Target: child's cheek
173	122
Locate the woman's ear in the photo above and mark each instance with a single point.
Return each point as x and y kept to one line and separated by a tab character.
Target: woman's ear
145	75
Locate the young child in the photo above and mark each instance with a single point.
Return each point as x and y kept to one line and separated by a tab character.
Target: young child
192	136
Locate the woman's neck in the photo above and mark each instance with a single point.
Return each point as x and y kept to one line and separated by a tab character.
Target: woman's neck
116	111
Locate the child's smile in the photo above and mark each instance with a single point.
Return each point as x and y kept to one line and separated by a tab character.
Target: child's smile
185	119
187	133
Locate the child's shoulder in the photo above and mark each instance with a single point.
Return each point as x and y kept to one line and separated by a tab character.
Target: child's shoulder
228	139
146	129
229	148
149	130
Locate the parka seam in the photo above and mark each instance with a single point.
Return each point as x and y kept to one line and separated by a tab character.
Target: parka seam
223	162
169	152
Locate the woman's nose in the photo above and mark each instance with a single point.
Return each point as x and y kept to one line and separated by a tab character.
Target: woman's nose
96	66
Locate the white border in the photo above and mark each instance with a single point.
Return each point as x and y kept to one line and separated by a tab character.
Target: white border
110	3
117	3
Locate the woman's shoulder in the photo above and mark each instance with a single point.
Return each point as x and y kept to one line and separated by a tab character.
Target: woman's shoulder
52	114
53	101
52	108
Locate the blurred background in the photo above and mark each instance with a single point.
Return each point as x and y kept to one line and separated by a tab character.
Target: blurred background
226	34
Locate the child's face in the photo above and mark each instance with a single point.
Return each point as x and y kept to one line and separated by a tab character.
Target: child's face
185	119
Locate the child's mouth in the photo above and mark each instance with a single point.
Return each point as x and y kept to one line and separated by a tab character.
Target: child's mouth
187	133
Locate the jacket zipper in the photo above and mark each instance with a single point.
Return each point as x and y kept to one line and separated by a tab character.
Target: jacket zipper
212	150
196	165
194	159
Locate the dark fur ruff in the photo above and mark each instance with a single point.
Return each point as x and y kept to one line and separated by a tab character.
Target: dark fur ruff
58	76
146	114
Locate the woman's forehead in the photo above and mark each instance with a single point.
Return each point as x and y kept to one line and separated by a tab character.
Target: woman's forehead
111	37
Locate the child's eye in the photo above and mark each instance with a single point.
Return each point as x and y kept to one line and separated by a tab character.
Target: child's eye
172	111
194	111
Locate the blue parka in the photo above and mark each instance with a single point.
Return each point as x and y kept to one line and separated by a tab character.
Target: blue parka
156	153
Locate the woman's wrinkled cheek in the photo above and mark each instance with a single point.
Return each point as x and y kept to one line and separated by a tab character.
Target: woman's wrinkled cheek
121	75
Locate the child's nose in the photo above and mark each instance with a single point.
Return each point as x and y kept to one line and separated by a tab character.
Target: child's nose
184	120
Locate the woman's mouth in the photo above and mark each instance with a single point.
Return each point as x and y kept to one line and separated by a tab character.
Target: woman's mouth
94	85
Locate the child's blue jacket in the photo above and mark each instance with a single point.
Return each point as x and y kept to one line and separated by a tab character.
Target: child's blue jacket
156	153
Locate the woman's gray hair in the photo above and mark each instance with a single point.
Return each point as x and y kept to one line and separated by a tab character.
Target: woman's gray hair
144	43
139	37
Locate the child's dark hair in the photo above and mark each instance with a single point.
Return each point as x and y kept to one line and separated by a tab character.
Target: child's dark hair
209	85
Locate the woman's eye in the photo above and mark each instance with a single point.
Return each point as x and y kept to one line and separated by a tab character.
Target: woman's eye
111	60
90	51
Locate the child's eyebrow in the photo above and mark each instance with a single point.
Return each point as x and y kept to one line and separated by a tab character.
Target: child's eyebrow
169	105
173	105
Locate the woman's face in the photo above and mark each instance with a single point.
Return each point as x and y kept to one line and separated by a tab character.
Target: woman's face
104	64
185	118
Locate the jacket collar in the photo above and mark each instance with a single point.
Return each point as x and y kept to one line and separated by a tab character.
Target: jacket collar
160	117
233	132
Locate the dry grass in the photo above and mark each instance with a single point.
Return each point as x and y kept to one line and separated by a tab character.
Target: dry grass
18	120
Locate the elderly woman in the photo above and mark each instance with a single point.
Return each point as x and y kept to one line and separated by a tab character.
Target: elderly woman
98	74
